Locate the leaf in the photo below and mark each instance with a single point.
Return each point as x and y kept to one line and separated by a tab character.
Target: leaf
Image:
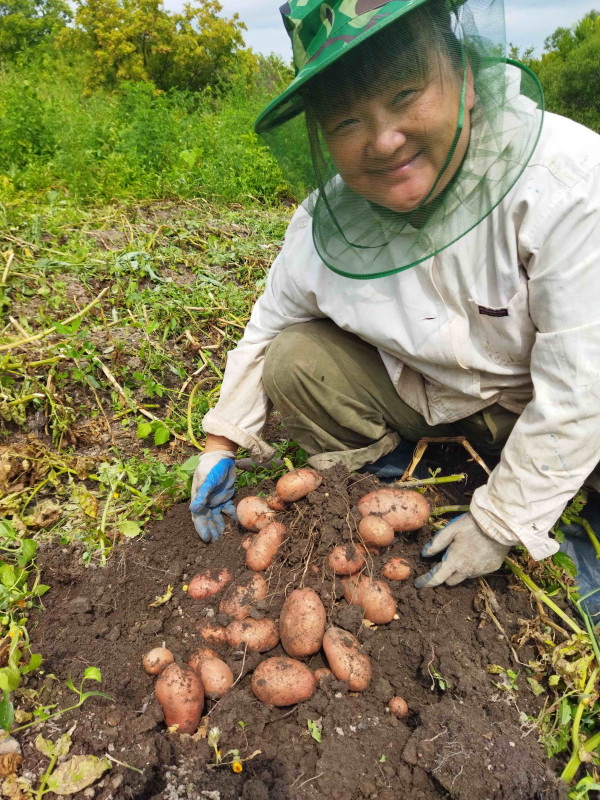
563	561
7	575
144	429
10	678
495	669
161	435
535	686
93	674
45	746
76	774
382	759
34	663
7	712
28	551
130	529
87	501
190	465
315	729
553	680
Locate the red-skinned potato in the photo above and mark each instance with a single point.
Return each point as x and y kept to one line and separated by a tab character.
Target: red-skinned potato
239	598
181	696
346	659
282	682
211	632
396	569
258	634
374	596
398	707
404	509
345	559
302	623
208	583
298	483
156	660
215	675
197	656
253	513
261	550
276	503
376	531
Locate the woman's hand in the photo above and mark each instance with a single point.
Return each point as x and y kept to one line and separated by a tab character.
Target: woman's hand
470	553
212	491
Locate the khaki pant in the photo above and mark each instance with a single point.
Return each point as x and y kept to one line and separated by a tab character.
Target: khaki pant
337	401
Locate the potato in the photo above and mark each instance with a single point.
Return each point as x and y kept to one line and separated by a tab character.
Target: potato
398	707
258	634
404	509
276	503
216	676
396	569
302	623
156	660
298	483
181	696
207	584
346	659
261	550
375	531
240	597
322	673
282	681
197	656
211	632
253	513
345	559
374	596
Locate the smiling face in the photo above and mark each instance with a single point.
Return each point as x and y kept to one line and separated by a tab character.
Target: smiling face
390	146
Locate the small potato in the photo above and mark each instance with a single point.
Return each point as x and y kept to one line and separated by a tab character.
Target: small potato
197	656
261	550
211	632
253	513
156	660
404	509
276	503
181	696
346	659
282	682
206	584
258	634
322	673
398	707
216	676
302	623
375	531
346	559
396	569
239	598
374	596
298	483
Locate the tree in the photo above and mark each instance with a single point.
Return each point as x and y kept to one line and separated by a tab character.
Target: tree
26	23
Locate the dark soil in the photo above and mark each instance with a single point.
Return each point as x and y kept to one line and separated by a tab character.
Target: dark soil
468	740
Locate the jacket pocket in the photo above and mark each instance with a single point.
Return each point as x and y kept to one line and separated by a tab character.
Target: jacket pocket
505	333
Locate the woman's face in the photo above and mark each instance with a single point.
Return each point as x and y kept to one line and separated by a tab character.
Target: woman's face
390	148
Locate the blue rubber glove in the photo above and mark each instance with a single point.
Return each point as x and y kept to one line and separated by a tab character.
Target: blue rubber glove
470	553
212	492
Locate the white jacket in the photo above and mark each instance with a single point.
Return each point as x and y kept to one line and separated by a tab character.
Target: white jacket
509	314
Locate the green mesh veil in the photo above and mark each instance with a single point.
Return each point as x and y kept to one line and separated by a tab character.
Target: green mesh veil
404	126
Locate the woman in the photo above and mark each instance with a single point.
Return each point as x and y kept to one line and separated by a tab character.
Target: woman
440	278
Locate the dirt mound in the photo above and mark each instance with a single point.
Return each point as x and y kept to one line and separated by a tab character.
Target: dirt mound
464	738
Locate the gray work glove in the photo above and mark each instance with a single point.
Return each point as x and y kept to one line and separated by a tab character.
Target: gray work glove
470	553
212	493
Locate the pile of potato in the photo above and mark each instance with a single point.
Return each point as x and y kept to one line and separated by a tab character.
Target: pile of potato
302	626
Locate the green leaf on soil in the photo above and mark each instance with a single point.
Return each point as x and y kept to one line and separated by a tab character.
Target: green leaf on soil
161	435
54	749
28	551
563	561
535	686
129	529
7	575
76	774
10	678
93	674
7	712
315	729
144	429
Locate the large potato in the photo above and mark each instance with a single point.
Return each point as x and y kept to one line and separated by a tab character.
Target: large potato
282	682
239	598
346	659
346	559
253	513
396	569
215	675
181	696
262	548
156	660
376	531
298	483
302	623
258	634
374	596
208	583
404	509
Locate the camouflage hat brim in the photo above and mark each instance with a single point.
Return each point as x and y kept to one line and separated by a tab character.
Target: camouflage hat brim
329	42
